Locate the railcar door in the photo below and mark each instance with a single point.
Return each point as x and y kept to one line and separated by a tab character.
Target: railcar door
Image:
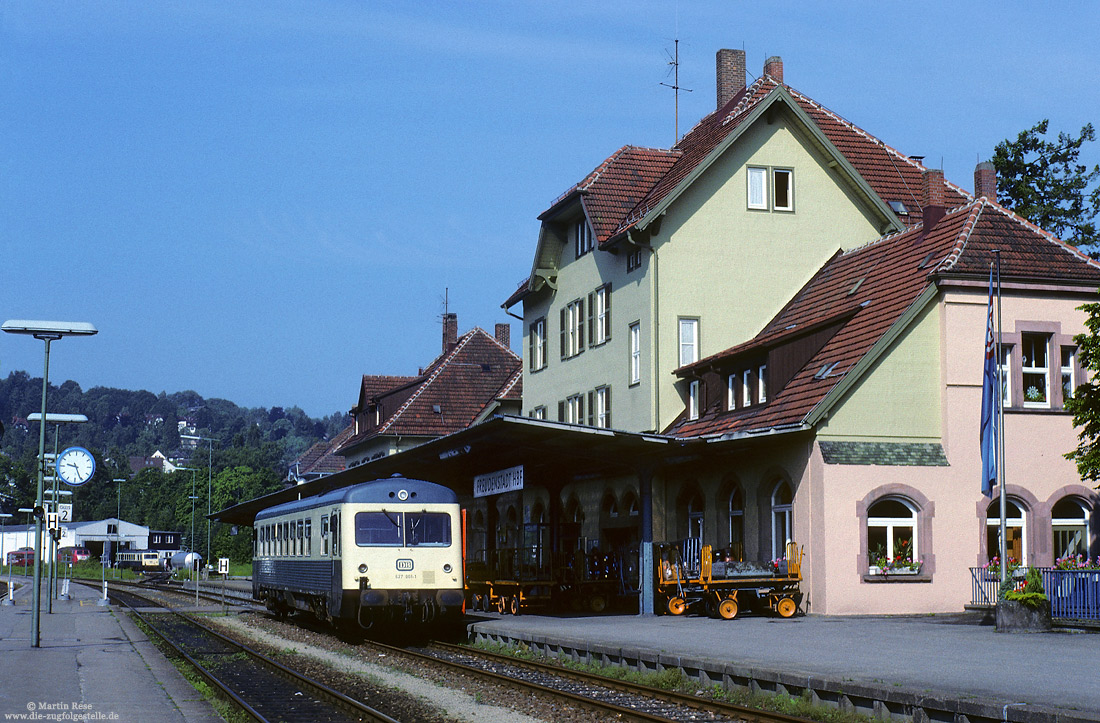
330	547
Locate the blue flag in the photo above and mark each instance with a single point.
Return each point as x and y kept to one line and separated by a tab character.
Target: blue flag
991	396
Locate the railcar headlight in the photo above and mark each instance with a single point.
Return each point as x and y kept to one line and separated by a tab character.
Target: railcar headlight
363	567
447	567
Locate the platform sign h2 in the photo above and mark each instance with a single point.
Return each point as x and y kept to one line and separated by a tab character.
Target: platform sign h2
495	483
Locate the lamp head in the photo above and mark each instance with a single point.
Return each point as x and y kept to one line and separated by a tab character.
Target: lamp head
49	330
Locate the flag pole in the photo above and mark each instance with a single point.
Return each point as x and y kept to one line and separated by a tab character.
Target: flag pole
1000	435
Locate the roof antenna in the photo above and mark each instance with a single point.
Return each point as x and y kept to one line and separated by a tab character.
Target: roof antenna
674	61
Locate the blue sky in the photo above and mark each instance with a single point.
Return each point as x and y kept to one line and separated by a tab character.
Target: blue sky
262	201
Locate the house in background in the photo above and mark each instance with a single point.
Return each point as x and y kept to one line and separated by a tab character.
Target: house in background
475	377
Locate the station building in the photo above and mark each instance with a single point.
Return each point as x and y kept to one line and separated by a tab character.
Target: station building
774	331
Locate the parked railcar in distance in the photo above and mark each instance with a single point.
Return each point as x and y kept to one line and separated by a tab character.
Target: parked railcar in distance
380	551
23	557
72	555
140	560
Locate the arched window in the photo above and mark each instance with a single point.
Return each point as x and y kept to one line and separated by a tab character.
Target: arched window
782	497
1070	523
1015	528
695	516
538	513
610	507
630	502
737	523
574	512
892	534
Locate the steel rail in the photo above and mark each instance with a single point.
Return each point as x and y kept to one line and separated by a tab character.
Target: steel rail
753	715
360	710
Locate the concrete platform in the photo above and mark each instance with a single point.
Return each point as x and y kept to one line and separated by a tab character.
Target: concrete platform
926	668
92	663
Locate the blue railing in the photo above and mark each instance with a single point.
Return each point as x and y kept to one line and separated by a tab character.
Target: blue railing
1073	594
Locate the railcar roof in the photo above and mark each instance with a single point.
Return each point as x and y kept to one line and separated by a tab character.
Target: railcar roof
379	490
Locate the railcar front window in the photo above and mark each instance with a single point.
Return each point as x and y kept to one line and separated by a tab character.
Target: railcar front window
427	528
382	529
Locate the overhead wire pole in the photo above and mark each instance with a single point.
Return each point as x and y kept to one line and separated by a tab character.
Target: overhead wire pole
209	482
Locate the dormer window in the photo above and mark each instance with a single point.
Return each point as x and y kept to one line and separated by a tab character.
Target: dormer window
693	400
583	238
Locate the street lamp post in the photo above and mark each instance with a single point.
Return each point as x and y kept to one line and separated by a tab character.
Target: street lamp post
56	420
4	558
118	518
194	567
47	331
209	482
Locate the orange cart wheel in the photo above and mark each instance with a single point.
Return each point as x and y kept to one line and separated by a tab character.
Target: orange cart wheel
676	605
727	609
513	605
500	604
786	607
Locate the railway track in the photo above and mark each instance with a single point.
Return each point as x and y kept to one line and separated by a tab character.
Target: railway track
614	698
261	687
608	697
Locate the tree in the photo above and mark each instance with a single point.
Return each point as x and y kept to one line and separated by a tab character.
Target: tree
1044	182
1085	402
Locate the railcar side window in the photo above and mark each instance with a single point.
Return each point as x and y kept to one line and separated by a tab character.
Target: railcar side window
301	537
427	528
309	536
324	534
381	529
336	534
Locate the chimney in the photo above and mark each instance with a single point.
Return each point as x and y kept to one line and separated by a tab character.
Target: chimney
730	72
985	181
450	332
504	335
773	66
932	197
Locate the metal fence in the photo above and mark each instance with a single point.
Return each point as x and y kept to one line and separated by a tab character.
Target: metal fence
1073	594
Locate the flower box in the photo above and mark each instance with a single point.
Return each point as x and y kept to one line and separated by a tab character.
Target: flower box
1015	617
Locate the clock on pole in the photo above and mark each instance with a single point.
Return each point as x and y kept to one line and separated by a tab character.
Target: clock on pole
75	466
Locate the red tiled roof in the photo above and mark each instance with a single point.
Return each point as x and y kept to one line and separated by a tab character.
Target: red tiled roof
321	458
617	184
461	384
875	284
646	175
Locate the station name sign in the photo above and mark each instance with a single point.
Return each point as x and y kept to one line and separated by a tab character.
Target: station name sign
494	483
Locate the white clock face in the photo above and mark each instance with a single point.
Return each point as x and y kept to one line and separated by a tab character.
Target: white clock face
75	466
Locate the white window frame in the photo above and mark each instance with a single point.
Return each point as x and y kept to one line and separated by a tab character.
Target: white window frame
1077	525
1006	375
746	388
1036	342
757	188
890	523
693	399
583	237
731	392
689	340
635	353
538	412
782	520
789	173
738	514
761	383
602	313
1011	522
574	331
538	344
1069	372
603	407
574	409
